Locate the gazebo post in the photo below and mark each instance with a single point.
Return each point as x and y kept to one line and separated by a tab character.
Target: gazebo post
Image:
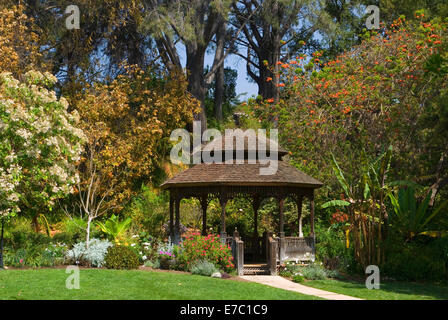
204	205
256	206
299	202
171	216
282	222
223	202
312	215
281	234
177	234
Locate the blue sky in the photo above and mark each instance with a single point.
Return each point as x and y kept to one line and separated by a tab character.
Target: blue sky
234	62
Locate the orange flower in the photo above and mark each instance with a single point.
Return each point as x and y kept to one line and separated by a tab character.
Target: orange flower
268	79
270	100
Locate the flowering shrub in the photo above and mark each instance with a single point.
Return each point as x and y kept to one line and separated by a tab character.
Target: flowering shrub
166	255
208	248
39	143
37	255
94	255
143	245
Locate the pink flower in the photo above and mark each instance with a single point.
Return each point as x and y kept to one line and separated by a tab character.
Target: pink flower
21	261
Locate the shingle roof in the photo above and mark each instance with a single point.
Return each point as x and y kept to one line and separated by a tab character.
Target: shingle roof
245	174
229	142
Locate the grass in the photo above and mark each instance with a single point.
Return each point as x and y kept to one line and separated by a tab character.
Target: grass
387	291
102	284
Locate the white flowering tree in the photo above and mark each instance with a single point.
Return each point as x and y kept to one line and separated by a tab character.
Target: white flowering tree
39	144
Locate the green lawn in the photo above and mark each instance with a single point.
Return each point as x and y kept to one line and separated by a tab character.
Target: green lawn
387	291
42	284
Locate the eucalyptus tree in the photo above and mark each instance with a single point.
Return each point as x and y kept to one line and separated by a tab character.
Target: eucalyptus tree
195	24
271	29
108	35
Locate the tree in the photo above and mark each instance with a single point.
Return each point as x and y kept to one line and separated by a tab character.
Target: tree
393	9
19	41
375	95
39	145
227	91
273	31
195	23
127	123
108	37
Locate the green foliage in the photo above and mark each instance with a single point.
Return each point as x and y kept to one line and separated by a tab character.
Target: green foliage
314	272
155	264
298	278
409	217
37	255
421	259
335	203
332	251
114	228
121	257
203	268
149	211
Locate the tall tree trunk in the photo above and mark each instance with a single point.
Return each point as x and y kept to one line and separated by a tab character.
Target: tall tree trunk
35	223
196	85
219	83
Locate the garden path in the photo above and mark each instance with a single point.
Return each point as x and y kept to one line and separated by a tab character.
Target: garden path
282	283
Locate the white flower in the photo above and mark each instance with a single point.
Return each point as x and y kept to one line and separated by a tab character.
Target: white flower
144	257
25	134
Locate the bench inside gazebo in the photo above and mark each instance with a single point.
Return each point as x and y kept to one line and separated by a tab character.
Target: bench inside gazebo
228	180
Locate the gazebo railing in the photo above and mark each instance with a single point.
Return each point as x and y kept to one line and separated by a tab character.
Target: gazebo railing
296	249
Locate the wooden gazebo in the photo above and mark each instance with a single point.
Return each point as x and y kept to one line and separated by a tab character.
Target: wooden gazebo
228	180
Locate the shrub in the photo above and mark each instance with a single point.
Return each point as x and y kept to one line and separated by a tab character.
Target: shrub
150	210
121	257
208	248
314	272
421	259
332	251
298	278
166	255
179	262
93	256
155	264
203	268
36	256
25	240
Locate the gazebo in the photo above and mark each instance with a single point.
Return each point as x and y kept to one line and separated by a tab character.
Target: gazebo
230	179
